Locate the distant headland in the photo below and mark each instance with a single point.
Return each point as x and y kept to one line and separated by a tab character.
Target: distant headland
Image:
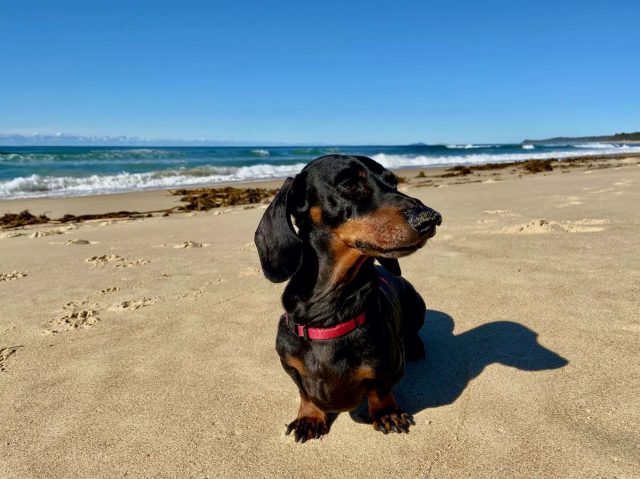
617	138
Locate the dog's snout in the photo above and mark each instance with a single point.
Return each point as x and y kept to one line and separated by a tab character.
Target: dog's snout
423	219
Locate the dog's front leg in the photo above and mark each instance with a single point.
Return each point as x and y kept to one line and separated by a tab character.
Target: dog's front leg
312	422
386	414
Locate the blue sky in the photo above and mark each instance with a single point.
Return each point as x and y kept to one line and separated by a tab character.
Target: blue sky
321	71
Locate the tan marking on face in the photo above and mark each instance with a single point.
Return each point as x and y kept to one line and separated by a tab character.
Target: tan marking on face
296	363
315	212
347	262
385	228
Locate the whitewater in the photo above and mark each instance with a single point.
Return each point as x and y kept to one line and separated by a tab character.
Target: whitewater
27	172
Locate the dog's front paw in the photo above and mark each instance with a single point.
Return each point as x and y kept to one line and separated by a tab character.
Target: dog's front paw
396	421
307	428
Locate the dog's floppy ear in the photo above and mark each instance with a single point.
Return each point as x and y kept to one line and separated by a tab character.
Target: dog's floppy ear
390	264
279	246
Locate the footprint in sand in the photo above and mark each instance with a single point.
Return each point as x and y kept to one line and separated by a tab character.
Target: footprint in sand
132	263
11	234
75	320
117	261
113	289
190	244
544	226
74	304
196	293
133	304
80	241
104	259
42	234
585	225
501	213
4	355
541	226
12	276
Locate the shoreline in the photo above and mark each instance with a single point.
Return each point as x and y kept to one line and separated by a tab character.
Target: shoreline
270	182
161	199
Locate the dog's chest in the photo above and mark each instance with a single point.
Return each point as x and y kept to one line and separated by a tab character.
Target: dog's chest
337	385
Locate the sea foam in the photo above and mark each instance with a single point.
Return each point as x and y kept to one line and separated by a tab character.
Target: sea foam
467	147
37	172
407	161
37	185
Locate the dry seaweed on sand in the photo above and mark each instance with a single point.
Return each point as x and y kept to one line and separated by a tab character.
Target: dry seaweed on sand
459	170
105	216
204	199
531	166
537	166
24	218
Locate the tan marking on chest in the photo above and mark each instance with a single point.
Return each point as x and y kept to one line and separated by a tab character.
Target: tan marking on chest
296	363
363	372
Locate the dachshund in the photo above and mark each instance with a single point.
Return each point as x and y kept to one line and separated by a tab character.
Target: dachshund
348	323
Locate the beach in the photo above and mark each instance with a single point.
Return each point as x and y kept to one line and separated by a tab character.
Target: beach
144	346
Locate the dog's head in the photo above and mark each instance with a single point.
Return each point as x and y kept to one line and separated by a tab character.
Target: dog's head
353	200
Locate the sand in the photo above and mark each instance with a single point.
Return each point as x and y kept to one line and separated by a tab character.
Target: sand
145	348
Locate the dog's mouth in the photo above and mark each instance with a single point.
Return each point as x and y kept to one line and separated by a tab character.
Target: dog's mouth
395	251
391	233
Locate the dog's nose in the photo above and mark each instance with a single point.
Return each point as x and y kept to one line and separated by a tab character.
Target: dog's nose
423	219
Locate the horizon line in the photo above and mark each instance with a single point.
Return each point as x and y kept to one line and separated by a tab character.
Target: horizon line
72	140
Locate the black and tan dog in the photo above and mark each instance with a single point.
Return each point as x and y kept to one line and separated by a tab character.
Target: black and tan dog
347	324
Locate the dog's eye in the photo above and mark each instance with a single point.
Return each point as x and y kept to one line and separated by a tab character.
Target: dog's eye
351	183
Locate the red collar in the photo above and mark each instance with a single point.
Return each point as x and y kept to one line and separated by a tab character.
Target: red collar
334	331
326	333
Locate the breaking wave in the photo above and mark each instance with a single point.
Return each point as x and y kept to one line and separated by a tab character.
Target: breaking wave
260	152
404	161
44	171
601	146
37	185
467	147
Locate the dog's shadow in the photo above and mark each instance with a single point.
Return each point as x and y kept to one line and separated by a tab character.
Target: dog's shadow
452	361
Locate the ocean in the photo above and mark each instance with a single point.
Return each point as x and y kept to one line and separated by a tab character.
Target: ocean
74	171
